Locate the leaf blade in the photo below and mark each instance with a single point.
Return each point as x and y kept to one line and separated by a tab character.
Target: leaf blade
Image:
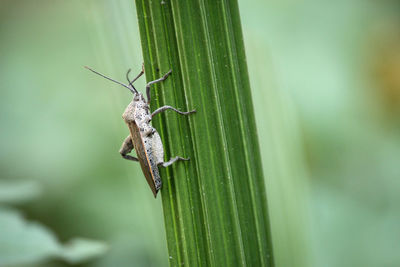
213	203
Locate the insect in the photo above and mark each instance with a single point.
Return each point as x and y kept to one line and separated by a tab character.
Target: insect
143	137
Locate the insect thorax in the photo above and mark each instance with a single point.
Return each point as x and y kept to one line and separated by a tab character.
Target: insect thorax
138	112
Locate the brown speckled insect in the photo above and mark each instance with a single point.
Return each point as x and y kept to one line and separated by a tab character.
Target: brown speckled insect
143	137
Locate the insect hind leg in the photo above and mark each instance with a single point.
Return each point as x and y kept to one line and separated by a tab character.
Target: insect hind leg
171	161
126	148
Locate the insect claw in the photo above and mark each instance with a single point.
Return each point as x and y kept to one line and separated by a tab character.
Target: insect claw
167	74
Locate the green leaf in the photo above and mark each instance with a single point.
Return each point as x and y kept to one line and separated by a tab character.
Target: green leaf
25	242
81	249
13	192
215	206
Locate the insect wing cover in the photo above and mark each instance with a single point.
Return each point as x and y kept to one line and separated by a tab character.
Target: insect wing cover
143	150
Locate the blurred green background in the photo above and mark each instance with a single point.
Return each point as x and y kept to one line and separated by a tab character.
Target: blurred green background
325	77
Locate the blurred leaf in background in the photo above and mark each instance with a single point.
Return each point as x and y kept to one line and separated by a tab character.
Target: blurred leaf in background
25	242
338	63
62	126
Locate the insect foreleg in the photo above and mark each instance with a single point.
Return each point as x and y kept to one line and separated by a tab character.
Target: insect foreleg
171	161
163	78
137	77
126	148
164	108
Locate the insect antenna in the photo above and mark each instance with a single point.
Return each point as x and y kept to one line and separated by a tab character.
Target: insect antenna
133	90
137	77
130	82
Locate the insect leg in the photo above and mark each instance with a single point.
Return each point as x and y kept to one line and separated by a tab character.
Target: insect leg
137	77
171	161
126	148
163	78
161	109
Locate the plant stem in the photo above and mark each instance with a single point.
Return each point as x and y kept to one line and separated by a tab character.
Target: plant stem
214	205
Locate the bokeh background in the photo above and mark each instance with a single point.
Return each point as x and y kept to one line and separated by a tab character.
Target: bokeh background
325	77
